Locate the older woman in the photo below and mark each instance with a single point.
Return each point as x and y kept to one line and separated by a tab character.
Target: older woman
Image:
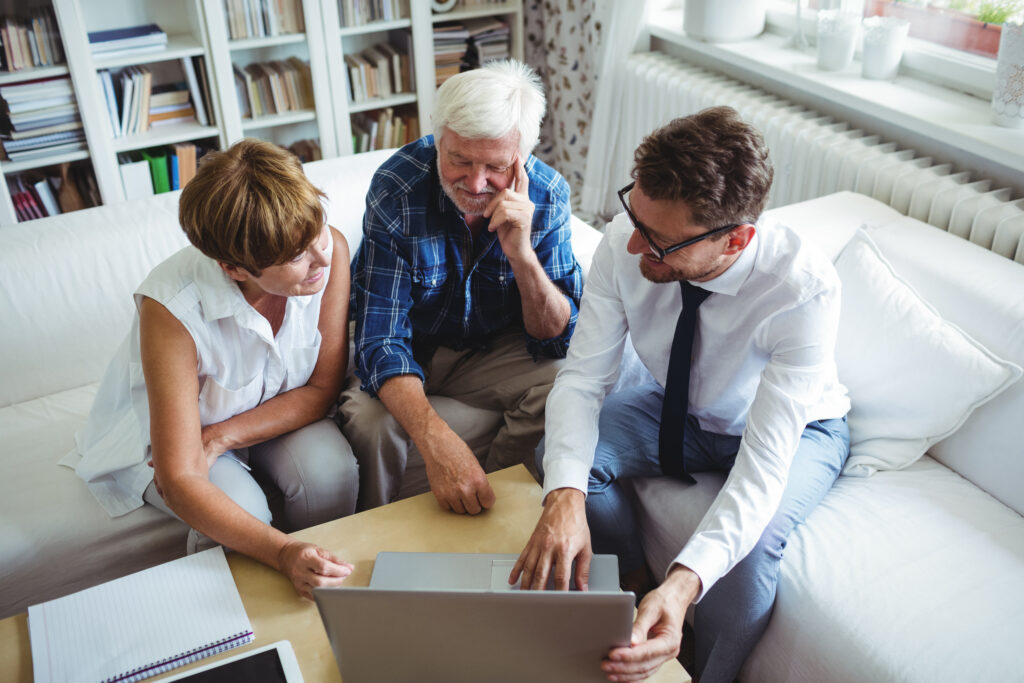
237	353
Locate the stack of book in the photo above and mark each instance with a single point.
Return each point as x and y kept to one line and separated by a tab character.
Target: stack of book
265	88
488	40
383	129
449	50
30	41
131	40
134	104
41	119
359	12
37	195
379	71
162	169
262	18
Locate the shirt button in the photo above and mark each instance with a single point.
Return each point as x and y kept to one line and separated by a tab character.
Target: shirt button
434	281
501	278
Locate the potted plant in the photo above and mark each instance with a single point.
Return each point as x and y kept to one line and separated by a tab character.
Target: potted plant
966	25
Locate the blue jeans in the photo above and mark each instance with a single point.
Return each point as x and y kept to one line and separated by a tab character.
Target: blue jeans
733	614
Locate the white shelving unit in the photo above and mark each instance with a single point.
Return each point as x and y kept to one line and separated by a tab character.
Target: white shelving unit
187	37
199	28
287	127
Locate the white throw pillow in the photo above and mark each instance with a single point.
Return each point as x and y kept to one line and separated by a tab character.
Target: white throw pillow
913	377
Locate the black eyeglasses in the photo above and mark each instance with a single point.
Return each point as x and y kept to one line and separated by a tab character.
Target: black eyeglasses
644	232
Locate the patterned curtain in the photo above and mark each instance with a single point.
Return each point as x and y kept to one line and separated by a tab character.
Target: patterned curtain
563	39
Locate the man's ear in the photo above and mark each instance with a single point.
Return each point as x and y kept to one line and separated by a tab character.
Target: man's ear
234	272
739	237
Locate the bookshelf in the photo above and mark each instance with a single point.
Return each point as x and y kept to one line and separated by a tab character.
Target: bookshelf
184	23
201	29
287	126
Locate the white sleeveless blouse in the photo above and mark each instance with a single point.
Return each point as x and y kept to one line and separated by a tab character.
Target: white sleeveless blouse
241	365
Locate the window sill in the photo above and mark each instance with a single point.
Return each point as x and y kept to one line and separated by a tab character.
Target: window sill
932	119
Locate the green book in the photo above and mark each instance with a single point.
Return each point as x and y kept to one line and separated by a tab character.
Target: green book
157	159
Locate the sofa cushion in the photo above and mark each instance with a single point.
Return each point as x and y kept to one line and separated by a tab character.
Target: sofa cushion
980	292
913	377
909	575
55	538
66	286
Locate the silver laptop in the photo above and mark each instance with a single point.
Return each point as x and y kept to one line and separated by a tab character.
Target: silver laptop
453	617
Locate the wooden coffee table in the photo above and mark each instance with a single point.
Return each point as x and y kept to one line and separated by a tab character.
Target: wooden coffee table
412	525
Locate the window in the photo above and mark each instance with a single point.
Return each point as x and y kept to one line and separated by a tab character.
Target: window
969	26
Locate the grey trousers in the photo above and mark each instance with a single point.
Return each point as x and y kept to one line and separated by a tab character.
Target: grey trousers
493	400
313	467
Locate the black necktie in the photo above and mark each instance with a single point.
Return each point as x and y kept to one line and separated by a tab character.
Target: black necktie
677	385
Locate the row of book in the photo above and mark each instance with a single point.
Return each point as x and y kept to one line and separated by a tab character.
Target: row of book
383	129
275	87
145	173
37	194
134	103
360	12
161	169
380	71
262	18
30	41
460	46
40	119
130	40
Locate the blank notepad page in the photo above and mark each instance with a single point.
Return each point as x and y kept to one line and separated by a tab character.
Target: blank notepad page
140	625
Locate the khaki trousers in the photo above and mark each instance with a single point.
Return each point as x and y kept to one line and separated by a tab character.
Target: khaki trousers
493	400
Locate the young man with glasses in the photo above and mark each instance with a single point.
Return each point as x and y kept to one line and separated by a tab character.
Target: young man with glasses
746	383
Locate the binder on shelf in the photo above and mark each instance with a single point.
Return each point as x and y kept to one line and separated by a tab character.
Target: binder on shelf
158	170
45	194
136	178
107	85
185	155
193	88
140	625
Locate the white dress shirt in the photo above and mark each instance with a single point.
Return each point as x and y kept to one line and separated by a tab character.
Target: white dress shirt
763	367
241	365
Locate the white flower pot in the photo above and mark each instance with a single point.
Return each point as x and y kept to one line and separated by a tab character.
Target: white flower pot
721	21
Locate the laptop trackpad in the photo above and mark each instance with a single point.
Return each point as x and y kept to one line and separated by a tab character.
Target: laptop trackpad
500	569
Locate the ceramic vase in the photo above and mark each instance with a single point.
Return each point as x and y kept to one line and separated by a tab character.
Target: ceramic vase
1008	96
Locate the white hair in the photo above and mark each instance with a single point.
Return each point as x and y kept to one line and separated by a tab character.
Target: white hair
490	102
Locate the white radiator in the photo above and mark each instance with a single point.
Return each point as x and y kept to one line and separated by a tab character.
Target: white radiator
814	155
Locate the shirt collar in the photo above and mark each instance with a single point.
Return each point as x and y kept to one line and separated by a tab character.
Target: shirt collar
219	295
730	281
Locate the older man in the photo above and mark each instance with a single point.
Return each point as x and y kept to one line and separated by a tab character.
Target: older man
465	291
736	319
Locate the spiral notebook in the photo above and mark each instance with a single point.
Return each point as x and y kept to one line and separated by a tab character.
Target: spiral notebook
140	625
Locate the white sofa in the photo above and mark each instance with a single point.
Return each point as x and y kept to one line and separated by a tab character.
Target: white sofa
66	288
914	574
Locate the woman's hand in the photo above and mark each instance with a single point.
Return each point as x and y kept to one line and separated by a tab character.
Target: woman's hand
309	566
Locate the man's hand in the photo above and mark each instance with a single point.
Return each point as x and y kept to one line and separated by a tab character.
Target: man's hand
309	567
657	630
456	478
511	214
561	536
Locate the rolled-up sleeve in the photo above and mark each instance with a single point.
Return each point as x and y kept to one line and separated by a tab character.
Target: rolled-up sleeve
554	251
381	293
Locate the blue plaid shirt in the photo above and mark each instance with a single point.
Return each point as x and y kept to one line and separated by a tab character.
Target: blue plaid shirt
419	281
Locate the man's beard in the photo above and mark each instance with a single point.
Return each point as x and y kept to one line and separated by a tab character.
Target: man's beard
469	207
669	274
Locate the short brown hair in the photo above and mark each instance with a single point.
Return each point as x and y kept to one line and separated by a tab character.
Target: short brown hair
713	161
251	206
